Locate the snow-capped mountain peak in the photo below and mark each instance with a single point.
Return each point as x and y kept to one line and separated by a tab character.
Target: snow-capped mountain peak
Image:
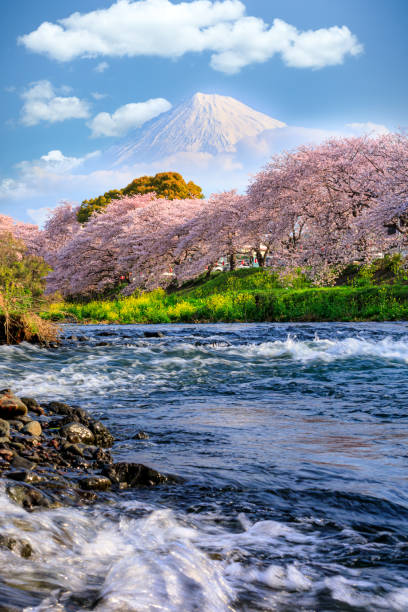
207	123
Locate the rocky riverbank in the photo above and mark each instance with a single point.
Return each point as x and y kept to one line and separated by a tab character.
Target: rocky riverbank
54	454
28	327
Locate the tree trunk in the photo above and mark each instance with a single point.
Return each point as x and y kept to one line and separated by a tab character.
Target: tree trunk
209	270
233	261
261	259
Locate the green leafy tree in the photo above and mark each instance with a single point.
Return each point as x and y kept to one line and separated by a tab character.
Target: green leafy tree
22	283
169	185
22	276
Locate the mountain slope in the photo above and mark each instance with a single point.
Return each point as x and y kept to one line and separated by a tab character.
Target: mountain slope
206	123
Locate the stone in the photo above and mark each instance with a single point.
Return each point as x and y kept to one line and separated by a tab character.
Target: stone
67	448
18	446
76	432
102	456
103	436
24	418
27	496
32	405
60	408
75	414
82	415
6	454
153	334
141	435
30	402
102	344
16	545
22	463
25	476
11	407
134	475
33	429
16	425
95	483
4	428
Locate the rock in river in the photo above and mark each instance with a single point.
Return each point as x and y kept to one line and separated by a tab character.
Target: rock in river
28	497
95	483
18	546
33	428
63	459
32	405
76	432
134	475
4	428
11	406
103	436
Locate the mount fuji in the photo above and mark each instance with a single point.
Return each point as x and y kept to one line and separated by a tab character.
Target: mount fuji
207	123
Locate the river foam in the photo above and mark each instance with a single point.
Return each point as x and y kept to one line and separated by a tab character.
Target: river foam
146	366
291	440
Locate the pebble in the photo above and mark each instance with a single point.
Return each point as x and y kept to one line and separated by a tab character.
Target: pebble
141	435
95	483
61	460
4	428
33	429
16	545
22	463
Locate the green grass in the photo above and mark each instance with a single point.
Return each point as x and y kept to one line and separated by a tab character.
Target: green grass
245	295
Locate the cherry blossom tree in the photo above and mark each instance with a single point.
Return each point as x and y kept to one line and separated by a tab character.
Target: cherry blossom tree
152	244
325	193
25	232
318	207
87	261
220	230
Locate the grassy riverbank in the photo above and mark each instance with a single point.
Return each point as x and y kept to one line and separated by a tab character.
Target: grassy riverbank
245	295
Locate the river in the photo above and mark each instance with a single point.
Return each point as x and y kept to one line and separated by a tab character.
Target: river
292	443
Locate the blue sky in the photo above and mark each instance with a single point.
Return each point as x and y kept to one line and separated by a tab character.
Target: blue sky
57	78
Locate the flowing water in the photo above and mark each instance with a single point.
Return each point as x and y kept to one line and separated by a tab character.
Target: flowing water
292	440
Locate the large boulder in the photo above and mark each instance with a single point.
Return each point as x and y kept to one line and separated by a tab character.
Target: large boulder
10	406
134	475
95	483
17	545
76	432
103	436
153	334
32	405
27	496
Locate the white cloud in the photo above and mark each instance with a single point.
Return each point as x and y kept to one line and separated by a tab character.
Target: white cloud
101	67
98	96
319	48
41	103
39	175
164	29
373	129
127	117
57	161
